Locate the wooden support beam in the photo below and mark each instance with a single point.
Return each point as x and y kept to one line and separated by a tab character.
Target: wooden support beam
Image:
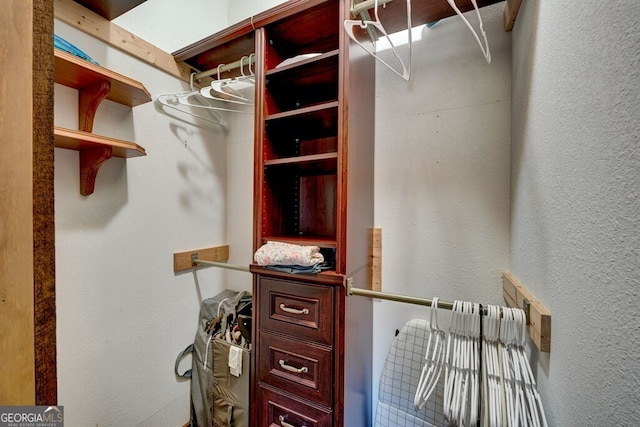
81	18
539	318
28	373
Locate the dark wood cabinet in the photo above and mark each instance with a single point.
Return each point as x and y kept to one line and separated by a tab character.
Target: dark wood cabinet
299	350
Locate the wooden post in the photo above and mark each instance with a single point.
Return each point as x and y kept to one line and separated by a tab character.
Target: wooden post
17	371
27	263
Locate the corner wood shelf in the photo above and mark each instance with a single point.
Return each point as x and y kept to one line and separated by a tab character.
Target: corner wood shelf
95	84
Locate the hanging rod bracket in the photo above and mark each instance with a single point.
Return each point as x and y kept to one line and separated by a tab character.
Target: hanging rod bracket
190	259
216	256
349	285
366	5
538	317
526	307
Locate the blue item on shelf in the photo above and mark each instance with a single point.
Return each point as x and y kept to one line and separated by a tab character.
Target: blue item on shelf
62	44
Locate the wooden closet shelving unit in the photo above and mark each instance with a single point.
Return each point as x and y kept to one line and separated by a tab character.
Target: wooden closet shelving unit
313	170
95	84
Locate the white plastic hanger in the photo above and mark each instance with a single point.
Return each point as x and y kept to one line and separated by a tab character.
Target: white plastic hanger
449	366
520	406
495	414
172	102
510	386
459	365
485	48
526	414
434	357
222	90
474	368
463	378
233	87
185	100
534	413
350	24
176	102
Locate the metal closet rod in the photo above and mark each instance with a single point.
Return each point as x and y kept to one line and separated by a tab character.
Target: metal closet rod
220	264
225	67
367	4
447	305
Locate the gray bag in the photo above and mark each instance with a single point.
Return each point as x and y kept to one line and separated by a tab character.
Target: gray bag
217	398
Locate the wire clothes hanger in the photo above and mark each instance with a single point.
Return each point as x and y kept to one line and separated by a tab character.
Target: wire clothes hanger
484	48
350	24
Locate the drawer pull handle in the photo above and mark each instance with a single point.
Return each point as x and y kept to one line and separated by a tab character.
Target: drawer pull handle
290	368
283	423
293	310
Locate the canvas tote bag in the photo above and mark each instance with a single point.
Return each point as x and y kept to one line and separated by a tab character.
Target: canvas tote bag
218	398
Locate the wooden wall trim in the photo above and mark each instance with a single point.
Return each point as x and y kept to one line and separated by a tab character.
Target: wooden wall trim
115	36
375	259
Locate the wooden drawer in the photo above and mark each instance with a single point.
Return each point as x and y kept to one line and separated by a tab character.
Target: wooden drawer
300	368
278	410
301	310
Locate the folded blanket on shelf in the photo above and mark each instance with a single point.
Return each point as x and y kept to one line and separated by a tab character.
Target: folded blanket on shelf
286	254
296	269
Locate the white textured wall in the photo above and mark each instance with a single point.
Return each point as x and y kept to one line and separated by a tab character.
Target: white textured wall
242	9
575	233
442	173
172	25
123	315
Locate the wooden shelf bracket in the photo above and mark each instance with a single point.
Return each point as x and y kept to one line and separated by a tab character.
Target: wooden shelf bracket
89	99
90	162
